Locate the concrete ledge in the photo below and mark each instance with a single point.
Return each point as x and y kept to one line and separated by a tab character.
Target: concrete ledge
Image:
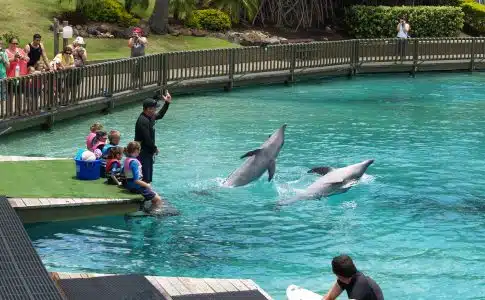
35	210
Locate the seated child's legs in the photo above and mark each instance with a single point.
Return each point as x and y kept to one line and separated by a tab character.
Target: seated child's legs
150	195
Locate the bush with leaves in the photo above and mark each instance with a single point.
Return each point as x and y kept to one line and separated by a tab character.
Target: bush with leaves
474	16
7	36
110	11
209	19
425	21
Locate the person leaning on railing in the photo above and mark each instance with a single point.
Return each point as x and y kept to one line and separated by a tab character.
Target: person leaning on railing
18	59
80	58
63	61
4	65
35	51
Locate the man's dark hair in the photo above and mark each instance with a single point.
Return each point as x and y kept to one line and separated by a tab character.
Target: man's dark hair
343	265
37	36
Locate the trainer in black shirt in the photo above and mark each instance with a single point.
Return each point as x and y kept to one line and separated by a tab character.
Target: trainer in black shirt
145	133
357	285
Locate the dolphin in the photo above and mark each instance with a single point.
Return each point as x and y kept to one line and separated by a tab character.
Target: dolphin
332	182
258	161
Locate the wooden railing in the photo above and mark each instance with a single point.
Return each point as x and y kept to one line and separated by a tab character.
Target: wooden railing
41	93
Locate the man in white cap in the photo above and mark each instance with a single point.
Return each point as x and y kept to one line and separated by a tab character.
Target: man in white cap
79	52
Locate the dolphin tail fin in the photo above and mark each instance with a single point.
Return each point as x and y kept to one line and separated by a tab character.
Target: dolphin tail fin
321	170
271	169
251	153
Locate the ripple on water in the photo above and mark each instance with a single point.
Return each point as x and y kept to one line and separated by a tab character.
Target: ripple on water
415	222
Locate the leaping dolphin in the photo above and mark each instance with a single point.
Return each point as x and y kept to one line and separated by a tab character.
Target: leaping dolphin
258	161
332	182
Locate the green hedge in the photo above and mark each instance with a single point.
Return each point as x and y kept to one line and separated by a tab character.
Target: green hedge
425	21
209	19
474	16
110	11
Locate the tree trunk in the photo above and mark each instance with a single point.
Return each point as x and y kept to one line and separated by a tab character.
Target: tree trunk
159	18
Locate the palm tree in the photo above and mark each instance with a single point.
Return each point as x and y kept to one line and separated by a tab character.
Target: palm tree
159	18
237	8
181	9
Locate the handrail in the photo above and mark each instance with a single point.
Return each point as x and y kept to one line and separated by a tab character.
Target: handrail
40	93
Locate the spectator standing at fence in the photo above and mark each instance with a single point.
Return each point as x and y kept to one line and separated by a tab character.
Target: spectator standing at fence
66	58
4	65
36	51
145	133
402	34
79	52
4	62
137	43
18	59
80	58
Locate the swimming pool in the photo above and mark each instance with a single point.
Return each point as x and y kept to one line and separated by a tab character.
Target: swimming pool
415	224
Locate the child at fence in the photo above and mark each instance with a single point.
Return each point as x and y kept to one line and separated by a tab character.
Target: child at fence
89	139
113	166
134	177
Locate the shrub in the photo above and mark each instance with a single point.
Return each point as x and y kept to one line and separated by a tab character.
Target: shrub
474	16
425	21
209	19
7	36
110	11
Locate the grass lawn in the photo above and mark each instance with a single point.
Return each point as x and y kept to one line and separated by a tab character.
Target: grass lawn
52	179
26	17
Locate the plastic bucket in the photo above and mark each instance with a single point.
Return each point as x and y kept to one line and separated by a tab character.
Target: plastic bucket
88	170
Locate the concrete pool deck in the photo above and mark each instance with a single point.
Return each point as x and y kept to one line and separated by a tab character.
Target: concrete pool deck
181	286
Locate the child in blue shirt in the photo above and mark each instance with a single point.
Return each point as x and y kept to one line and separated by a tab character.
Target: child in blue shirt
114	138
134	177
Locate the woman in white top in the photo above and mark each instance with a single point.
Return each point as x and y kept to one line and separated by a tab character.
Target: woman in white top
403	29
402	33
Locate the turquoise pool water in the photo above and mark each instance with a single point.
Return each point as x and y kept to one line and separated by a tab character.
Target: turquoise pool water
415	224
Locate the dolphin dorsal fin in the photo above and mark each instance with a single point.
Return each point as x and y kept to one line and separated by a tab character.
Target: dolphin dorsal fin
251	153
321	170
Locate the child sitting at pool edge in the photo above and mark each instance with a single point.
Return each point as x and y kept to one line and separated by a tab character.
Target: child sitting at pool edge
89	139
134	177
114	137
113	166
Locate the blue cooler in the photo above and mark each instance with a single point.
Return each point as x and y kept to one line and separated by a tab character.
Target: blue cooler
88	170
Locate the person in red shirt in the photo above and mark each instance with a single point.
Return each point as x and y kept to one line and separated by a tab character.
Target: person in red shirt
17	57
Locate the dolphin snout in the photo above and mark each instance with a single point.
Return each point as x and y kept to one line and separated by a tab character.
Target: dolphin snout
370	162
284	126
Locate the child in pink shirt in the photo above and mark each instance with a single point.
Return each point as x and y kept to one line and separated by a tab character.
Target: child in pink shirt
89	139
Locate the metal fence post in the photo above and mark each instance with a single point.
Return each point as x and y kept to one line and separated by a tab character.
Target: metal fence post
292	50
355	56
415	56
165	73
232	67
472	55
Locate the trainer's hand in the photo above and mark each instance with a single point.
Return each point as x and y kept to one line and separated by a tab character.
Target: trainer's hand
167	97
